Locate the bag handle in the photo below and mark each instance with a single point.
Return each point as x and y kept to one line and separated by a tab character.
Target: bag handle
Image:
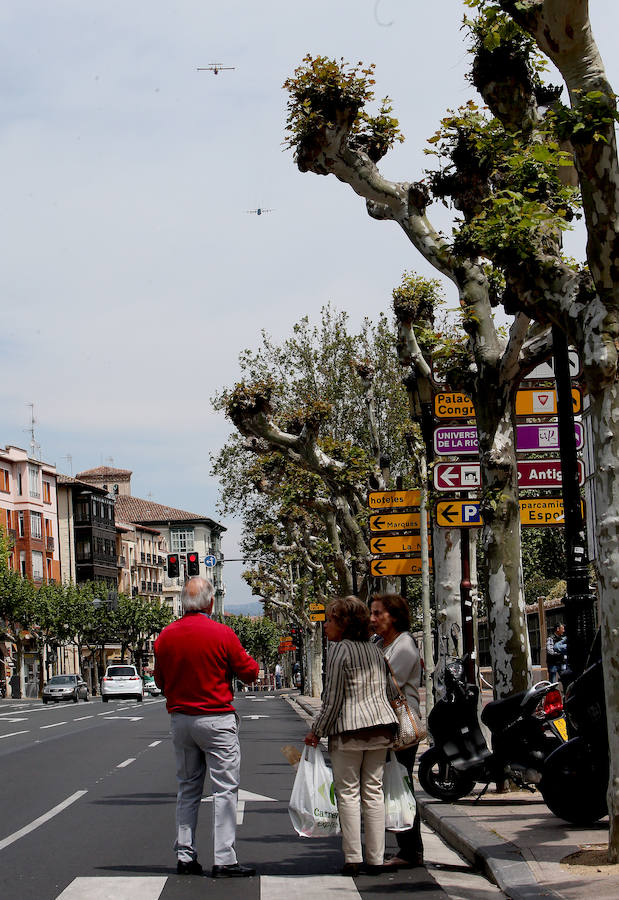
401	695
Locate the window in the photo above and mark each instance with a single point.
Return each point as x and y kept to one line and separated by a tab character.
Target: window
50	577
82	550
19	484
9	518
82	511
35	525
33	481
181	539
47	494
4	480
37	565
21	526
22	563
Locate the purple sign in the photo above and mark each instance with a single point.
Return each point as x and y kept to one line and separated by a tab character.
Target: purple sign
462	441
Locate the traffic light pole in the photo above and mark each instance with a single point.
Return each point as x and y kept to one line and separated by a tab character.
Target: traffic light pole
579	614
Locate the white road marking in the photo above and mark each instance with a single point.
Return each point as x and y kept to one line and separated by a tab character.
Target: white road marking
13	733
154	743
137	887
240	805
41	819
282	887
53	725
15	720
127	762
256	717
81	718
128	718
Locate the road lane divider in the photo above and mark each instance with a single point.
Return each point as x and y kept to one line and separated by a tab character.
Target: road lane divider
127	762
154	744
53	725
13	733
81	718
41	820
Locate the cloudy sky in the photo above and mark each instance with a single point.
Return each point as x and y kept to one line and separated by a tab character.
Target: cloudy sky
132	274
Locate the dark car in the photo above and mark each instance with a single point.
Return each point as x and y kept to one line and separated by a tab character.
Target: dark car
65	687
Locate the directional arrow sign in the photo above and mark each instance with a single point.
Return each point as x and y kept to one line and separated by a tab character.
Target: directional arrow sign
317	617
532	474
457	476
316	607
391	499
396	544
462	440
538	512
386	567
546	370
458	514
395	522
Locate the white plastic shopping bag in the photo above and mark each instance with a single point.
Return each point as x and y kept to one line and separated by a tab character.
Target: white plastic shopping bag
312	807
400	803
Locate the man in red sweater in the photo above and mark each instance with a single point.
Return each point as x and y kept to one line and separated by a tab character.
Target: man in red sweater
195	662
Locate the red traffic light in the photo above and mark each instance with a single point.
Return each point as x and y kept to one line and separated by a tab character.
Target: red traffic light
193	564
173	565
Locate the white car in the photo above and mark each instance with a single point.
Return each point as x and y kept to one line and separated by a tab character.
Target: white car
122	682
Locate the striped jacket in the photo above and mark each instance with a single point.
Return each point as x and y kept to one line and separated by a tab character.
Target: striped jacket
357	692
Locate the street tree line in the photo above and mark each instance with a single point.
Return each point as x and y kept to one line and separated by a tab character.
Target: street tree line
46	617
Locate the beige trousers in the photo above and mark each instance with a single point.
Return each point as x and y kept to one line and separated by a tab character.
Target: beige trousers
358	781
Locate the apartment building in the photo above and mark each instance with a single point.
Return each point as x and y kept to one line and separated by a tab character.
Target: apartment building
28	514
180	531
87	530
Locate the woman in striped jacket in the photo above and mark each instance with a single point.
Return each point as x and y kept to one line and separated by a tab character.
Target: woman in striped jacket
358	718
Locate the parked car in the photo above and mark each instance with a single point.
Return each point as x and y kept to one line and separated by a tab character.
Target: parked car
65	687
122	682
150	687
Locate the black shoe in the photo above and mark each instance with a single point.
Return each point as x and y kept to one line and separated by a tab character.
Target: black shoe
235	870
351	869
188	868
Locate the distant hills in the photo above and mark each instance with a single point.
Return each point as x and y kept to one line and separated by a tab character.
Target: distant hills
253	608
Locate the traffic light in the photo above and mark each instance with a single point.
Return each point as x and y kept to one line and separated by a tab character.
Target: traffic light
296	634
173	567
193	564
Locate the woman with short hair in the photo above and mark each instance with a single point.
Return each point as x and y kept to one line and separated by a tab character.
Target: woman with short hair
358	718
390	620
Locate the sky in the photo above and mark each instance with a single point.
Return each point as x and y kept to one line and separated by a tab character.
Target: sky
132	273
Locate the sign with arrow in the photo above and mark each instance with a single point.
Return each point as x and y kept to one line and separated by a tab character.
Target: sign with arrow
396	567
392	499
396	522
462	440
532	474
546	370
537	512
397	544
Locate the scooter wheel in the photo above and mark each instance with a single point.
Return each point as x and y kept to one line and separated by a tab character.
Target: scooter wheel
441	780
574	783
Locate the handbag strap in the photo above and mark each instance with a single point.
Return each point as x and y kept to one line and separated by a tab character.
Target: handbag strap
401	694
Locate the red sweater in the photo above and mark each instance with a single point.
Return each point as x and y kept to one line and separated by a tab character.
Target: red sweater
195	662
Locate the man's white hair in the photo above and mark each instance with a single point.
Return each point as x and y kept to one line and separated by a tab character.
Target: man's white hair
197	594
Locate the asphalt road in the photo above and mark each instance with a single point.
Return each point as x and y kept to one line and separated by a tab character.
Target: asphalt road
87	796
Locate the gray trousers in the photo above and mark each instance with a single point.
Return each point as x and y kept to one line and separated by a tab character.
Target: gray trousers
201	741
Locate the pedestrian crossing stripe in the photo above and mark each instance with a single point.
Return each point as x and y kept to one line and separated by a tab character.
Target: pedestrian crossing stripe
272	887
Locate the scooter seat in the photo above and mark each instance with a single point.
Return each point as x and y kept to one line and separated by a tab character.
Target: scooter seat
499	713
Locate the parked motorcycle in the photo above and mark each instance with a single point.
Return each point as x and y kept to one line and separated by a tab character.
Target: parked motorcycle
575	779
526	728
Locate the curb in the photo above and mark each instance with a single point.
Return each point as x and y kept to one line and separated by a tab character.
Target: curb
499	860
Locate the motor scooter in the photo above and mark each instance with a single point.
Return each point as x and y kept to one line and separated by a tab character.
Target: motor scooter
525	729
575	777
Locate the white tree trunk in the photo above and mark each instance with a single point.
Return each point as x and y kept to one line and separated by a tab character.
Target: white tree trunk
314	665
447	598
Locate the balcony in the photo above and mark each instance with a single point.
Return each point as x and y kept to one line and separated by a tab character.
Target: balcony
50	544
148	558
149	587
142	557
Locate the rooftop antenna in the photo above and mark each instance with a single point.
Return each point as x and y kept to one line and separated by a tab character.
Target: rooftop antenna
35	447
110	461
69	459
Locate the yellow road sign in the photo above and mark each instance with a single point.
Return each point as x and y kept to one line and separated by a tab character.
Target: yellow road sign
386	567
458	514
397	544
529	402
316	607
317	617
543	511
395	522
391	499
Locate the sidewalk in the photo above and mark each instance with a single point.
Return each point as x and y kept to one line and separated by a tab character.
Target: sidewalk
517	842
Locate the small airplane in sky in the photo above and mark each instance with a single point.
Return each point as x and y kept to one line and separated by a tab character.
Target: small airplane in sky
215	68
259	211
